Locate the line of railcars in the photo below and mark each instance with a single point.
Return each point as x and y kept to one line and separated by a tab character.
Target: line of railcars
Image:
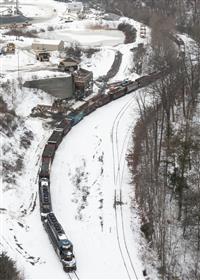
57	236
177	40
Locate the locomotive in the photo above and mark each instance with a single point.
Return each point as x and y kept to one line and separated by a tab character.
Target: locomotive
63	247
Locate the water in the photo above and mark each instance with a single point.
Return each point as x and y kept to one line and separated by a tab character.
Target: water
87	37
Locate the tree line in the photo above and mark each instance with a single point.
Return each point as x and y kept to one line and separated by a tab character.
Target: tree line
8	269
165	157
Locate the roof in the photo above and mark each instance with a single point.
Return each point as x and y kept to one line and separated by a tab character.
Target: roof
78	104
68	63
72	59
47	42
75	5
82	73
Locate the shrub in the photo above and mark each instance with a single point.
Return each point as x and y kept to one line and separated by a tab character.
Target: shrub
90	51
50	28
73	51
24	33
3	106
129	31
8	269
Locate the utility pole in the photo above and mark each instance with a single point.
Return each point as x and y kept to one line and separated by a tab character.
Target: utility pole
18	63
17	6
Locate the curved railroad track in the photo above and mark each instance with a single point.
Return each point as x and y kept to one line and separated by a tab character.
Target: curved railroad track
114	134
119	219
118	158
118	173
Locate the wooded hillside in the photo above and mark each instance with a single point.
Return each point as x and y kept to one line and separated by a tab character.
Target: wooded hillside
165	159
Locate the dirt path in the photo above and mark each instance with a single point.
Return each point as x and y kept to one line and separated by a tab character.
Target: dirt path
112	72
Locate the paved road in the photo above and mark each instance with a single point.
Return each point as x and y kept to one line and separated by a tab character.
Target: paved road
112	72
13	19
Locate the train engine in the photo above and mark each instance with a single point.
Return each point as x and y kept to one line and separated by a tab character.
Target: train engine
63	247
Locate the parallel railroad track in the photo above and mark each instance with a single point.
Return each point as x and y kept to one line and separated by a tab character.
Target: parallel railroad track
117	169
73	275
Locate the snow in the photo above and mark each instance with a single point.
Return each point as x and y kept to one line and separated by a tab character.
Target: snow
88	37
94	150
97	64
50	42
35	11
81	219
86	155
12	62
91	155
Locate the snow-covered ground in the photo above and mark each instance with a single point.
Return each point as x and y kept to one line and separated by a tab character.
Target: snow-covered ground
97	64
82	32
36	11
107	243
94	152
89	204
94	38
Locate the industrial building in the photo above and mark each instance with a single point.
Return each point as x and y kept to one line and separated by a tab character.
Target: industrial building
83	80
69	64
75	7
47	45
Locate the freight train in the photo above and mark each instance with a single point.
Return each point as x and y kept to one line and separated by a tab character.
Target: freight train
57	236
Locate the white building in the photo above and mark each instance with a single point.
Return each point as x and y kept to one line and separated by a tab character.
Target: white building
47	45
75	7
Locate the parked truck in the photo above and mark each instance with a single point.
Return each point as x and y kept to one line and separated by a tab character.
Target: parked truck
9	49
43	56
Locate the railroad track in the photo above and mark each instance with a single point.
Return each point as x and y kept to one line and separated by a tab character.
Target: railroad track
118	168
114	138
73	275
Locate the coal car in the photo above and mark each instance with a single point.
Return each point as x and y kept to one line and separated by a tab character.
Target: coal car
64	126
44	197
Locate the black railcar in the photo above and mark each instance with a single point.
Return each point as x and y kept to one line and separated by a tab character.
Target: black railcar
131	86
45	168
55	138
103	99
64	126
143	81
49	152
45	197
117	92
91	106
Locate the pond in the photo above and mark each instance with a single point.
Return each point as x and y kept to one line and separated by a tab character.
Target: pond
87	37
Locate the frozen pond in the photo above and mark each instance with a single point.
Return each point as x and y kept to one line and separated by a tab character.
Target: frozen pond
87	37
